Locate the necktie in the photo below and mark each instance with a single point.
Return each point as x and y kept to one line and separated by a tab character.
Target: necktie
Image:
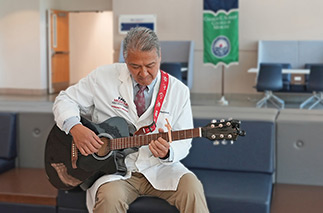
140	100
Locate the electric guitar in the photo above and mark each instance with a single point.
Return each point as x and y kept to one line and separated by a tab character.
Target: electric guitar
67	168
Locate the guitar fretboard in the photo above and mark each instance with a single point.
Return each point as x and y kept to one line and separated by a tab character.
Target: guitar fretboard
141	140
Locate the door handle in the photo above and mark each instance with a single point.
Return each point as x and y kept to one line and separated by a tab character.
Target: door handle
59	52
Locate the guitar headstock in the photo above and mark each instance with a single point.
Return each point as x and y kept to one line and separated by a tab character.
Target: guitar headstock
223	131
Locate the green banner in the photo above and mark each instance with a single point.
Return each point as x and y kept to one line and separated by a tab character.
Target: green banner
221	37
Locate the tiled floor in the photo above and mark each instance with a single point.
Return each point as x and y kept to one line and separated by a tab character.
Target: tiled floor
297	199
27	185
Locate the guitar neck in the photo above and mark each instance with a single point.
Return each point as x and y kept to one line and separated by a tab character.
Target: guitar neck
141	140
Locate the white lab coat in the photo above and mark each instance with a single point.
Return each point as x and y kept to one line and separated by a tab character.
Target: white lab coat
107	92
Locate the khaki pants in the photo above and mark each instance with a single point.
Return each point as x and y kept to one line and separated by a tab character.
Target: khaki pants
116	196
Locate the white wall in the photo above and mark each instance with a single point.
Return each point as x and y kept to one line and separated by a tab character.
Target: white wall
21	35
266	19
90	42
23	54
20	44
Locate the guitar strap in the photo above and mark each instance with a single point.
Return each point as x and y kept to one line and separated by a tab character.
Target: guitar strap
158	104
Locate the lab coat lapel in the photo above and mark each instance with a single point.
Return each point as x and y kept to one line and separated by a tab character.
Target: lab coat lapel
126	92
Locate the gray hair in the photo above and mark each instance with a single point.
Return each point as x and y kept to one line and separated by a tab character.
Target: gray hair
142	39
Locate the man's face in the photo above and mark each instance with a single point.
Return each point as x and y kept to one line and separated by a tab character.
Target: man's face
143	66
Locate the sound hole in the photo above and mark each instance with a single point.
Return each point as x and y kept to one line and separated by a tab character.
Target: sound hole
104	150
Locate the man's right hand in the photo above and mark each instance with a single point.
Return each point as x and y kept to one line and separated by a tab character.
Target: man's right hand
85	139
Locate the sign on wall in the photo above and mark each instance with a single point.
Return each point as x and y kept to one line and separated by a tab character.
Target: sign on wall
126	22
221	32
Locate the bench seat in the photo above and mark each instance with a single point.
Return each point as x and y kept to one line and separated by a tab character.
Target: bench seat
229	192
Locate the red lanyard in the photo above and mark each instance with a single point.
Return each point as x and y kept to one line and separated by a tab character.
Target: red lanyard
158	104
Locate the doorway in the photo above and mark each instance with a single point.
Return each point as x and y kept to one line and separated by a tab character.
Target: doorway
90	44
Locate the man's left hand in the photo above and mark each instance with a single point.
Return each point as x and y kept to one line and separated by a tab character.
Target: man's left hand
160	147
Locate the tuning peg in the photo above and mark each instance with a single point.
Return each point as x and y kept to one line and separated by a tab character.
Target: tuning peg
220	125
224	142
229	136
216	143
222	120
242	133
230	119
236	123
228	123
213	121
232	142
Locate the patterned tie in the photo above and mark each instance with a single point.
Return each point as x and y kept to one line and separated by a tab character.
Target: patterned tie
140	100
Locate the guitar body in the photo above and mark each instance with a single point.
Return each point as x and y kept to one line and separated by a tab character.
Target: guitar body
58	155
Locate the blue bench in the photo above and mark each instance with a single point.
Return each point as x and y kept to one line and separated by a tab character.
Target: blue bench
74	201
238	177
8	150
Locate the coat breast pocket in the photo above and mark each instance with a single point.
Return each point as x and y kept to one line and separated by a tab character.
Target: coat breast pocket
161	122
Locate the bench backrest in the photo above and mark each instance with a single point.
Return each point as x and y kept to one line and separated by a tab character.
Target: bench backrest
251	153
254	152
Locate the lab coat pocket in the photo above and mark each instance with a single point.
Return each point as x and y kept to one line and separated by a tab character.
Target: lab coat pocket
163	118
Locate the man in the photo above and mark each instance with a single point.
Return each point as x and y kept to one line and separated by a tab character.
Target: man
115	90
